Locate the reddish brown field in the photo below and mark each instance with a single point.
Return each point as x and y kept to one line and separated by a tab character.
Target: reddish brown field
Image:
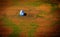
31	25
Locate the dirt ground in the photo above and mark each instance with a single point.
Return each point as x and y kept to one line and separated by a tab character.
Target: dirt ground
39	22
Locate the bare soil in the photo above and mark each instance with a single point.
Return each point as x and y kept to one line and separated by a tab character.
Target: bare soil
43	25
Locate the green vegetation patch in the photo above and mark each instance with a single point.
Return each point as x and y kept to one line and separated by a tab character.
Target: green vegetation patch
15	28
32	30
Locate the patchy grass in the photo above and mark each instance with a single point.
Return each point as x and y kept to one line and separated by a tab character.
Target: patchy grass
35	3
31	26
39	16
32	30
34	25
15	28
